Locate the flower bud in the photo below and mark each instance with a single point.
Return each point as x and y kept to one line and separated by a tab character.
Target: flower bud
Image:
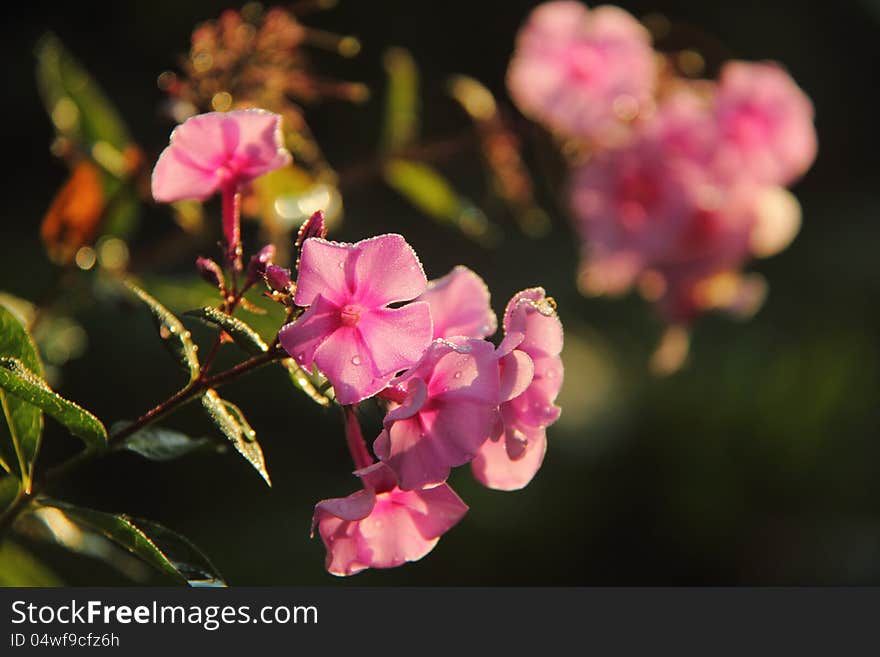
211	272
278	278
314	226
258	263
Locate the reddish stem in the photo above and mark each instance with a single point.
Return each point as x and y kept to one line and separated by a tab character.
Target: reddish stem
231	199
355	439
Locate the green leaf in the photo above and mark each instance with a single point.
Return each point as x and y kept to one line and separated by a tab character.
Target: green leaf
157	546
10	487
20	435
189	560
78	107
18	380
160	444
429	191
244	336
303	381
174	335
401	100
231	422
21	568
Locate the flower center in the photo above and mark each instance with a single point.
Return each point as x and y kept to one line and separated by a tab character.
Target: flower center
350	315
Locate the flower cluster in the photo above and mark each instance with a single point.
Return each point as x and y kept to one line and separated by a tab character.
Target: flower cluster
366	317
451	397
679	182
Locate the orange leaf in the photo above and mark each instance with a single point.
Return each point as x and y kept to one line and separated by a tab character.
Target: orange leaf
73	219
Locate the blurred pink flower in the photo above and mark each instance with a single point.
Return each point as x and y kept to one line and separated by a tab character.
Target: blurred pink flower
441	411
348	331
460	305
210	151
581	71
383	526
659	206
766	123
531	377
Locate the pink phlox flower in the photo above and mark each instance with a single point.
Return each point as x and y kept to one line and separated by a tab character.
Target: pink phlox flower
349	331
531	377
446	407
460	305
659	205
766	123
210	151
383	526
581	71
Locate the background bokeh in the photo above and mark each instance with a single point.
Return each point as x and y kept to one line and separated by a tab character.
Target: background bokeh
756	464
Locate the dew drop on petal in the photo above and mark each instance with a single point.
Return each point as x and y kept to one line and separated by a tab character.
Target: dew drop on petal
355	360
457	375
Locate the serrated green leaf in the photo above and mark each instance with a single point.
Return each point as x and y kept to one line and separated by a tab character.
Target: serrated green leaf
174	335
157	546
401	100
78	107
17	380
429	191
160	444
303	381
231	423
21	568
244	336
20	433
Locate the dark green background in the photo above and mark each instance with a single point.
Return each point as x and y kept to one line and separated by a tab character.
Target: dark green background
757	464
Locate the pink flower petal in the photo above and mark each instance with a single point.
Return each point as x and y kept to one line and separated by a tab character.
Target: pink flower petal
176	177
766	121
417	395
322	271
573	66
385	528
356	506
209	150
494	468
517	372
386	270
301	338
530	314
396	337
458	415
259	142
460	305
348	363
